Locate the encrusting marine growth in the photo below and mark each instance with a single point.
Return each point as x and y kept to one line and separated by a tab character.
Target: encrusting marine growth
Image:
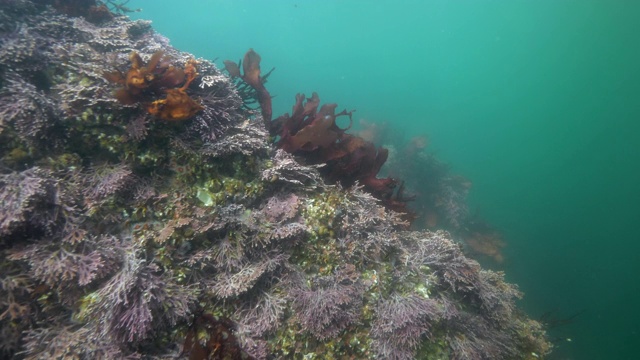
216	232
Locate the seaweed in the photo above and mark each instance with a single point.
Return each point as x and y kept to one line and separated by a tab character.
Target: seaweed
142	83
252	77
349	159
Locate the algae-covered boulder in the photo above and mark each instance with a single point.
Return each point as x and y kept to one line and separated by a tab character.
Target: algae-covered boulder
130	228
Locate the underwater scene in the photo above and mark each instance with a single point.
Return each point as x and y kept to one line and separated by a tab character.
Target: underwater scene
338	179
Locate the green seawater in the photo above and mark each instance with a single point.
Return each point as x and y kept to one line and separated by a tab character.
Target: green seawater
536	102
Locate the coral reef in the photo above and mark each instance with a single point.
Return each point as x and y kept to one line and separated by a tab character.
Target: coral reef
125	237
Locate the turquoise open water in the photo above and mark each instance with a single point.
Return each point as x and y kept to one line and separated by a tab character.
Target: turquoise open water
536	102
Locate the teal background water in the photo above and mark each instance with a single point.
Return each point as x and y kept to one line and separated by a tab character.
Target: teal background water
536	102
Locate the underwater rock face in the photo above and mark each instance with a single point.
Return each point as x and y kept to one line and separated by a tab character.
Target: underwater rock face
125	235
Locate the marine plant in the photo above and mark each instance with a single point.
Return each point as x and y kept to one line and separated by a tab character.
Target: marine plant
251	76
142	83
348	159
314	134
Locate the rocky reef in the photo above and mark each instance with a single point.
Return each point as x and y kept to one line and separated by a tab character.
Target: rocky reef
148	213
